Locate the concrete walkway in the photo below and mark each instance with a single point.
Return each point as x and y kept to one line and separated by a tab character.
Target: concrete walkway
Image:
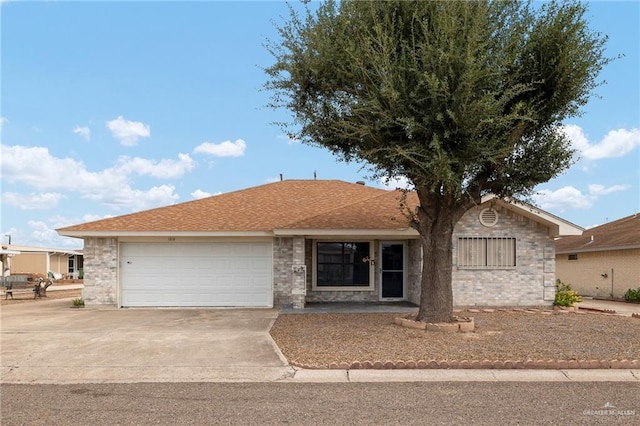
609	306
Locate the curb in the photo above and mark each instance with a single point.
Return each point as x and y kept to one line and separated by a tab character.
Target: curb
477	365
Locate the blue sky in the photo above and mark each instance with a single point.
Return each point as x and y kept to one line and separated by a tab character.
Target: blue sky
113	107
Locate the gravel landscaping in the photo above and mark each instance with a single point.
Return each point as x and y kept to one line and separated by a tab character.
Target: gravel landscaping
578	340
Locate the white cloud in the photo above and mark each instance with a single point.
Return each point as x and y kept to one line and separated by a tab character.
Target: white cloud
87	218
165	169
43	234
569	197
84	132
596	189
223	149
3	120
136	199
42	201
616	143
110	186
397	182
199	194
128	132
562	199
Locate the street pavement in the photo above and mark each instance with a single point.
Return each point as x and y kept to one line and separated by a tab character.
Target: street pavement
49	342
418	403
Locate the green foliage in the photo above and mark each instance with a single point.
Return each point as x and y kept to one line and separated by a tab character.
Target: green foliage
632	295
565	295
463	98
78	302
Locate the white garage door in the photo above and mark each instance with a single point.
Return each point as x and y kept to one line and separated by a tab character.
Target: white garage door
196	274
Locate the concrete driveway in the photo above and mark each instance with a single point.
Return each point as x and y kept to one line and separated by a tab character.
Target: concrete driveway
49	342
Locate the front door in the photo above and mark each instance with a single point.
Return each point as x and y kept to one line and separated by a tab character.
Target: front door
392	271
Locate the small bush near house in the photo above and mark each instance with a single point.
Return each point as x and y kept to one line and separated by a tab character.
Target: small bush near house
78	303
565	295
632	295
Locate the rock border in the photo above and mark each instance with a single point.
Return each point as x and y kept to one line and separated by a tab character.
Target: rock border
551	364
463	324
554	364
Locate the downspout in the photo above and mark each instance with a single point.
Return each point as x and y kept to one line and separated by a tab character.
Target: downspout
48	264
612	283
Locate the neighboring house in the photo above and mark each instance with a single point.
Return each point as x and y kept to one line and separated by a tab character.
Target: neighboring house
604	261
298	241
5	257
42	260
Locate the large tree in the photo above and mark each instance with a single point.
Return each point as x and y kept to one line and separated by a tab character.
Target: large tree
463	98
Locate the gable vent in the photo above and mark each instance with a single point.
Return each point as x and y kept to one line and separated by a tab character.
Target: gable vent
489	217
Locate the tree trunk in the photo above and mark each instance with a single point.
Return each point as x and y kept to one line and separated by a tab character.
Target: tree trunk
436	221
41	287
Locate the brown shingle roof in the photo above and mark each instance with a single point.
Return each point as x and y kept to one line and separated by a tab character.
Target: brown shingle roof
621	233
289	204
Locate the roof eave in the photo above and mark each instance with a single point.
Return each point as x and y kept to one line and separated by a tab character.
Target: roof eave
595	249
9	252
117	234
557	227
369	233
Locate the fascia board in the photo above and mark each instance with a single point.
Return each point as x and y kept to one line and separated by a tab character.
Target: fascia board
385	233
557	227
116	234
10	252
596	249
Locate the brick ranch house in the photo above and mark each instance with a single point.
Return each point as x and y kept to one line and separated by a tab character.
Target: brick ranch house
604	261
301	241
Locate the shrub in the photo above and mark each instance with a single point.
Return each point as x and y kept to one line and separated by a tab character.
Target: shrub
632	295
565	295
78	303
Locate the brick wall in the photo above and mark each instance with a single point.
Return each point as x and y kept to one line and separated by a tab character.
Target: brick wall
586	273
530	283
289	272
100	271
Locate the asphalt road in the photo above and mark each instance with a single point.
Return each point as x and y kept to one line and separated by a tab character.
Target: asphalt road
428	403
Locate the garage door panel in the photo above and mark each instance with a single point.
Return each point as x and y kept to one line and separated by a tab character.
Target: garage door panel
204	274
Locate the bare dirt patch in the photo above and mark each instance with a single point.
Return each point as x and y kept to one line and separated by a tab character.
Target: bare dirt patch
323	339
28	297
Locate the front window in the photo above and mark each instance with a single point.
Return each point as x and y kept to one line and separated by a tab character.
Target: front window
343	264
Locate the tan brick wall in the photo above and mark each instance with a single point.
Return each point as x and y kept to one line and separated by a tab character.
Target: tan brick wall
586	273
